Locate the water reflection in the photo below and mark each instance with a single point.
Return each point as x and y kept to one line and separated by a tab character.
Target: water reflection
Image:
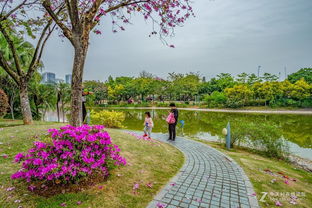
208	125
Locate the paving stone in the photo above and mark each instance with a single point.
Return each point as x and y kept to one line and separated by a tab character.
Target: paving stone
207	179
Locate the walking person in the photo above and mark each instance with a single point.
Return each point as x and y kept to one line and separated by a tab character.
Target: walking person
172	121
148	125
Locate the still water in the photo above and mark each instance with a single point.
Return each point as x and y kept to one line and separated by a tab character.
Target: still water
296	129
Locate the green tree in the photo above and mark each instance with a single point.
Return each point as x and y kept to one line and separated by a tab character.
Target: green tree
18	58
242	78
43	96
99	90
62	99
269	77
215	99
11	89
305	73
238	95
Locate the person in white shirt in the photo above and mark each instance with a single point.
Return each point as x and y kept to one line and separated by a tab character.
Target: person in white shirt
148	125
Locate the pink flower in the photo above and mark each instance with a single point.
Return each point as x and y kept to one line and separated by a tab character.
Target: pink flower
18	157
136	186
31	187
160	205
278	203
172	184
286	182
198	200
293	202
63	204
149	185
10	189
4	156
74	152
79	202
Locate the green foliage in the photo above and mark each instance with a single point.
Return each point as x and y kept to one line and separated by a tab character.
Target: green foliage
216	99
4	103
261	137
238	95
110	119
221	91
305	73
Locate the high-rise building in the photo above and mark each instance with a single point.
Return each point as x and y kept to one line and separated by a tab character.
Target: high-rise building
68	78
59	80
48	77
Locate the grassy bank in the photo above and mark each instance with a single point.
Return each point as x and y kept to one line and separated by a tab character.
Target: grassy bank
148	163
272	176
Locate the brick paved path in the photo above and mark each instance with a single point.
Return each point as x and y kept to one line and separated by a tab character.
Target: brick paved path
207	179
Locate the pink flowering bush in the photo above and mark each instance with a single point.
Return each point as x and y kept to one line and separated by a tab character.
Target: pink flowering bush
74	153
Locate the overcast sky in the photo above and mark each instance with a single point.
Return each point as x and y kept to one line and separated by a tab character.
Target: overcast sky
229	36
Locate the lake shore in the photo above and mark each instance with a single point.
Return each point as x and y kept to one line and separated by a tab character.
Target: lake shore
299	111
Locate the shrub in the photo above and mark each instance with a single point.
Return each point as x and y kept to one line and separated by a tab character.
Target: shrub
261	137
74	153
111	119
216	99
4	103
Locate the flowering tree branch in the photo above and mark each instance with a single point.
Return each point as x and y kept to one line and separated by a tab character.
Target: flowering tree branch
47	5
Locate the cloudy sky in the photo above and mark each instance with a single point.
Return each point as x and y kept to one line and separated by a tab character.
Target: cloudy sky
229	36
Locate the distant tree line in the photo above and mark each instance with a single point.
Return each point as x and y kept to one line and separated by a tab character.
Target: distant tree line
224	90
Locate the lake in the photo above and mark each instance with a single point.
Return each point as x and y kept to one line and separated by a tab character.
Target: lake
296	129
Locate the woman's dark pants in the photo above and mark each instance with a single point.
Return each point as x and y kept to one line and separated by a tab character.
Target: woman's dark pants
172	131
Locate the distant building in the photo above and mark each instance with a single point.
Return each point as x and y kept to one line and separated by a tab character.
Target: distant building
59	80
48	77
68	78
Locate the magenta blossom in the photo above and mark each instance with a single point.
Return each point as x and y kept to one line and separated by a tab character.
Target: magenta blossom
74	152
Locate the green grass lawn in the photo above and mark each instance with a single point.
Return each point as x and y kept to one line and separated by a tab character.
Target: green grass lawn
147	163
254	166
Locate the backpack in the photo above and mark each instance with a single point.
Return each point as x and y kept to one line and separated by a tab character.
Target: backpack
171	119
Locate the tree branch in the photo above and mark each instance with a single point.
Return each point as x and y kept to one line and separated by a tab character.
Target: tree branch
33	64
47	5
73	12
90	14
7	68
127	3
13	50
12	11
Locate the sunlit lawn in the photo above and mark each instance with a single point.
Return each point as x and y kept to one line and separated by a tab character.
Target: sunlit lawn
254	166
148	163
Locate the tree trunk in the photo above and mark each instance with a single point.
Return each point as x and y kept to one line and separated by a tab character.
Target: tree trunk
12	106
25	106
81	49
63	112
58	111
58	107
